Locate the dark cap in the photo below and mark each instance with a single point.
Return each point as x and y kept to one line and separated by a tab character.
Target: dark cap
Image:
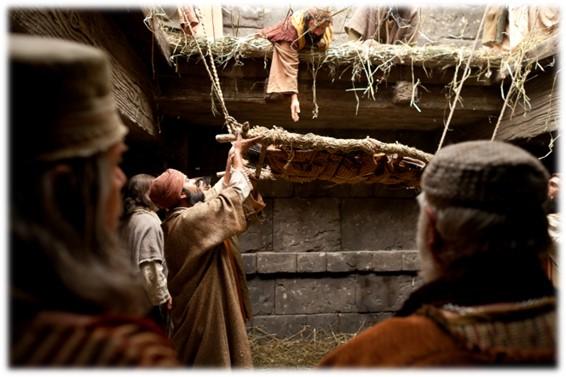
489	175
61	99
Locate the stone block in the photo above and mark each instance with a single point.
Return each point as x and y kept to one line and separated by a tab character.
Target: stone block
326	189
386	191
321	189
376	293
283	326
347	261
339	262
378	224
444	24
411	260
310	296
361	190
353	323
246	16
249	260
311	262
274	14
275	189
259	235
238	31
274	262
262	295
387	260
302	225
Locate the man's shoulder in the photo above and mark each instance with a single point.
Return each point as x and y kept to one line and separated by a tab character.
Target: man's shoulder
77	339
393	342
144	217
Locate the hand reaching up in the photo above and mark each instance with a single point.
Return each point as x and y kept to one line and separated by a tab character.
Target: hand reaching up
235	161
295	108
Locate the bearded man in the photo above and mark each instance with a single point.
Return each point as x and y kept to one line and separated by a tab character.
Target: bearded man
206	277
486	300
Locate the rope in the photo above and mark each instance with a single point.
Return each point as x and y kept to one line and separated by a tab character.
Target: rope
465	75
231	123
279	137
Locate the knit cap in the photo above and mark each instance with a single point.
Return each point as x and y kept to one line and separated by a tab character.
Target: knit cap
489	175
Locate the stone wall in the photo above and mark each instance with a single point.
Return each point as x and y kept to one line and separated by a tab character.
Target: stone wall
439	24
338	257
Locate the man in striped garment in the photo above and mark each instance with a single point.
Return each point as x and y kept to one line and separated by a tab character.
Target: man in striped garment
75	298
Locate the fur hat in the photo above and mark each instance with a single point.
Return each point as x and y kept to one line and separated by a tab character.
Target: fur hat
61	99
165	190
489	175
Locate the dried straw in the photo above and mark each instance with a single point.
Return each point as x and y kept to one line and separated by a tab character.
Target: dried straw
283	139
303	349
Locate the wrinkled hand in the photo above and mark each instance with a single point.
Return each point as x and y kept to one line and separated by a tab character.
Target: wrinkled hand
295	108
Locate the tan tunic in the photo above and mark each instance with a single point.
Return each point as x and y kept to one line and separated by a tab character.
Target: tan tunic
144	237
284	69
207	282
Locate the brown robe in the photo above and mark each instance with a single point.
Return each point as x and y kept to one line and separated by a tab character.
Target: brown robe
497	334
207	282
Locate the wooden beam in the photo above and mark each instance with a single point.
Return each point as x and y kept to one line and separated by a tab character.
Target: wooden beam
258	68
159	36
543	114
188	98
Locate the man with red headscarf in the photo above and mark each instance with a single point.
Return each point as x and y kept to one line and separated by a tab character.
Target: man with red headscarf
206	278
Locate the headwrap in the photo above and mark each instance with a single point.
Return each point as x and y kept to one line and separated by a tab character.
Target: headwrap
165	190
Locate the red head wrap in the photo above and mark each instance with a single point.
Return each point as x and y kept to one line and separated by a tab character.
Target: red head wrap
165	190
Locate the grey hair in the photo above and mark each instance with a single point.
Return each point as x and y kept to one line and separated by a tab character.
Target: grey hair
59	219
466	232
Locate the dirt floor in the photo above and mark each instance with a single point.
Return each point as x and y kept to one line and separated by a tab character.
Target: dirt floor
302	350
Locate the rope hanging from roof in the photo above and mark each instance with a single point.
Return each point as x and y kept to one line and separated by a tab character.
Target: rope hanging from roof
308	157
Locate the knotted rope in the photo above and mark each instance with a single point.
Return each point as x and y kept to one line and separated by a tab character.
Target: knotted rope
230	122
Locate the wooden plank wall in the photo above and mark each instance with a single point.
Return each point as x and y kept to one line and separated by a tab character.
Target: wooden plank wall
543	114
133	89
